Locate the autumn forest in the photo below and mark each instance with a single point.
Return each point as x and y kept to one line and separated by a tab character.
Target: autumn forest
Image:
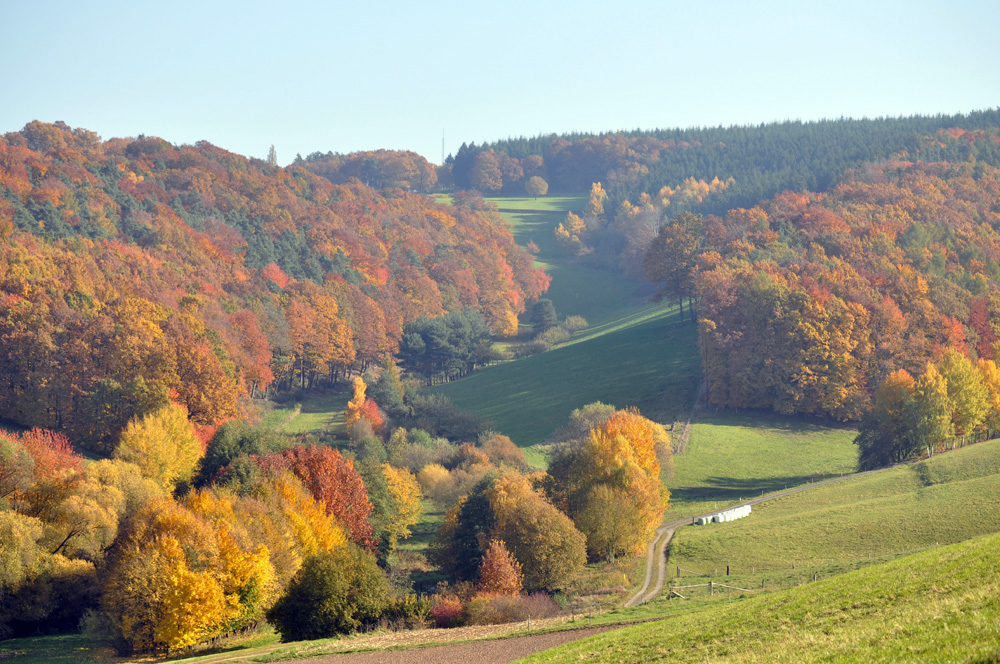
156	300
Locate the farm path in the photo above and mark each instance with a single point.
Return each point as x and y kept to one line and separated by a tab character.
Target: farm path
492	651
656	551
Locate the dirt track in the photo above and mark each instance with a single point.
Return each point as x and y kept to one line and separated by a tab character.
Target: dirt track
494	651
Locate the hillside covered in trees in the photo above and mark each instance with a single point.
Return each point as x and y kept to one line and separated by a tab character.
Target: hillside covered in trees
810	301
134	272
763	160
149	292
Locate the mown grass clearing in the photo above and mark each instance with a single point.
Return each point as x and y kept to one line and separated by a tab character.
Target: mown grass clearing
561	204
652	364
878	516
318	412
729	457
938	606
276	418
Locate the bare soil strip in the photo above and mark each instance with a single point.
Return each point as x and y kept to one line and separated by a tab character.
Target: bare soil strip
494	651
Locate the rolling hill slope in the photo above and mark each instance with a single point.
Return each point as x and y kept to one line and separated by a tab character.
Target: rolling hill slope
937	606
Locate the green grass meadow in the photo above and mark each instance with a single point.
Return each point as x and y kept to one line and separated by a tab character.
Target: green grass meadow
731	457
937	606
877	516
651	364
320	412
57	649
576	290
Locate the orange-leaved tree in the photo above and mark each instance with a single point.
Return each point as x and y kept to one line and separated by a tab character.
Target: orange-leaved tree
499	572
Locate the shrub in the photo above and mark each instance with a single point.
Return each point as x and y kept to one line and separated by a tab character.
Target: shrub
233	439
415	456
332	593
501	449
437	415
553	336
435	480
575	324
498	609
531	348
370	449
447	611
412	610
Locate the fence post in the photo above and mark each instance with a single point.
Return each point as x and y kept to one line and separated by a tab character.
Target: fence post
762	583
678	571
727	570
711	587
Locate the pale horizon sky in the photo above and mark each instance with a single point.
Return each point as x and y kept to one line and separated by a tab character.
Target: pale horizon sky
331	76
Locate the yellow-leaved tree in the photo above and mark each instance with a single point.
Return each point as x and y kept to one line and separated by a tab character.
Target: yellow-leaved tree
245	572
160	590
406	497
193	605
163	444
312	528
356	404
609	483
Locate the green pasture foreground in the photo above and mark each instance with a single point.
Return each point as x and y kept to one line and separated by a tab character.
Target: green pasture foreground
937	606
648	362
732	457
948	498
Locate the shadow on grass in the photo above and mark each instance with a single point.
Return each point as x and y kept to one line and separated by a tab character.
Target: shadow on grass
732	489
326	400
757	419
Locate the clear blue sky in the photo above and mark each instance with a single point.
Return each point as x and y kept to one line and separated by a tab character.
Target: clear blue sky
311	76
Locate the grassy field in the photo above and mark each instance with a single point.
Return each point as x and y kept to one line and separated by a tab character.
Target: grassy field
58	649
878	516
633	354
576	290
651	364
870	615
729	457
318	412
